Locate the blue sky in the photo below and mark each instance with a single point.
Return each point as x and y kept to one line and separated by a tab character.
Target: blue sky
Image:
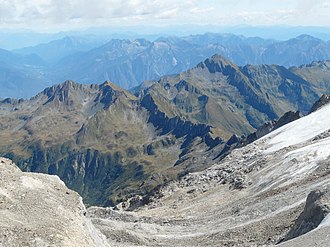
71	14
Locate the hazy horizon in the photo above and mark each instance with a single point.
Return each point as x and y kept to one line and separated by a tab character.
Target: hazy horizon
18	38
28	23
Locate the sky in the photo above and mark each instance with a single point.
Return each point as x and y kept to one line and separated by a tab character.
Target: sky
73	14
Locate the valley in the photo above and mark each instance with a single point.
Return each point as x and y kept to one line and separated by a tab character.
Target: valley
199	140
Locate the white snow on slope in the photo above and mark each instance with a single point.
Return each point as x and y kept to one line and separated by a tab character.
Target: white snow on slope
325	222
300	130
304	155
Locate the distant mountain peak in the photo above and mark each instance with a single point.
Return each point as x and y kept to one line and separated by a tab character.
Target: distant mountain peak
116	43
113	87
307	37
321	64
219	58
142	42
65	86
67	92
110	92
217	63
71	92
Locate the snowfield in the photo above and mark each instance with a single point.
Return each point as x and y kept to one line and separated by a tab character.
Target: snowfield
300	130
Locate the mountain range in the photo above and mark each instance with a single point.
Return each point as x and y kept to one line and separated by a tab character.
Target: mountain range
189	141
108	143
98	138
55	50
272	192
130	62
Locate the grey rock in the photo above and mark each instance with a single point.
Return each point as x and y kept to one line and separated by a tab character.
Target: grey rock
325	99
39	210
317	207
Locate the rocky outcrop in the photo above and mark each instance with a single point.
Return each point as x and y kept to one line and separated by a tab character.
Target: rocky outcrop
68	92
325	99
11	101
271	126
237	142
176	125
317	207
39	210
109	92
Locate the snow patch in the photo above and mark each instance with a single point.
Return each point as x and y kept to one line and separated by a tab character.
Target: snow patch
295	165
299	131
325	222
174	61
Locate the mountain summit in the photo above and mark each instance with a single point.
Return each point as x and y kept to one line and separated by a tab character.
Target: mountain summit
218	63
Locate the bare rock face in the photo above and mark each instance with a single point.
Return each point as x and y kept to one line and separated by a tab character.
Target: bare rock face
39	210
316	209
325	99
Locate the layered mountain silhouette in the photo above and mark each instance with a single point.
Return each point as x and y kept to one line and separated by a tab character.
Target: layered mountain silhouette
130	62
108	144
55	50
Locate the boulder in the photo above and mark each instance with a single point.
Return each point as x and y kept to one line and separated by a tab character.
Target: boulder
316	209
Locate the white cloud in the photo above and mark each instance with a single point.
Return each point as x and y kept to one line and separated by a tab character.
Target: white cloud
168	14
87	12
197	10
80	13
279	16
